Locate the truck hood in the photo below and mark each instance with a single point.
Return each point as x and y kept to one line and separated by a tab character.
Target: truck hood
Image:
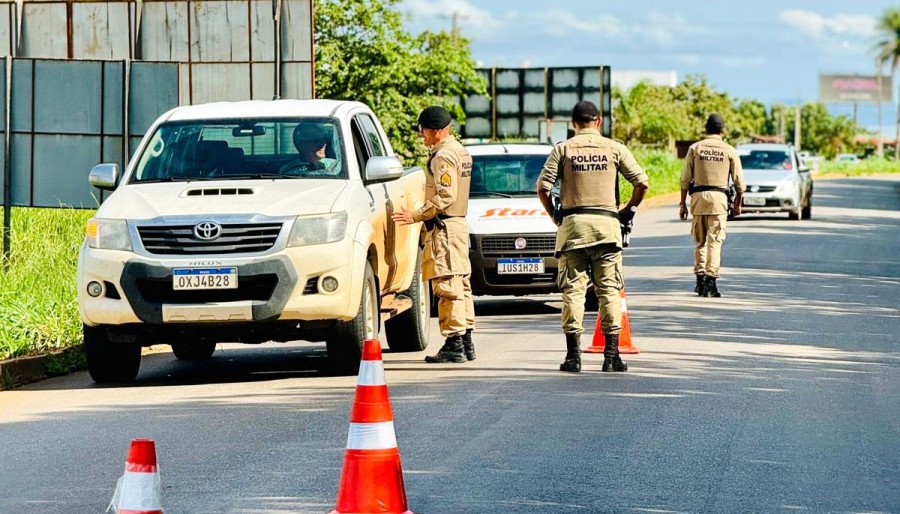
767	177
266	197
508	216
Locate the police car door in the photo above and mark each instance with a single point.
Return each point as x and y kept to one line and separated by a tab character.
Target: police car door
392	252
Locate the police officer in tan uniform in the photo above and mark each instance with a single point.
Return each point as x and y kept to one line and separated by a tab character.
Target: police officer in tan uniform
446	257
589	239
707	167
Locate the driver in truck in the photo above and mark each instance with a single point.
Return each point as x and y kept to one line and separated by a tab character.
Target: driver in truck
311	141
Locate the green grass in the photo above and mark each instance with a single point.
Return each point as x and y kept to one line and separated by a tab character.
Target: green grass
38	302
870	166
664	170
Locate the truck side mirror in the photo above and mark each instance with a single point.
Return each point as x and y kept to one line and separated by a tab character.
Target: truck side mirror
382	169
104	176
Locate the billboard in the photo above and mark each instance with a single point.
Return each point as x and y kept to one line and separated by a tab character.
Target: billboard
854	88
520	101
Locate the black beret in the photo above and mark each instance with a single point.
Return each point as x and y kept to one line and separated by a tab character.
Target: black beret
434	117
715	124
585	111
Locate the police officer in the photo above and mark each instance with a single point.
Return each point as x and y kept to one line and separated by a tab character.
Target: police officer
707	167
446	258
589	239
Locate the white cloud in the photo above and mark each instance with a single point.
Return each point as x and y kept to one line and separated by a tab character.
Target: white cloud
468	15
741	61
818	26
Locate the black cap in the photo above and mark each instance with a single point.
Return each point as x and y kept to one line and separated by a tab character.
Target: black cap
434	117
585	111
310	133
715	124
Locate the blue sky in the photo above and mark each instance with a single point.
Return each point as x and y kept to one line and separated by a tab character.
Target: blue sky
772	50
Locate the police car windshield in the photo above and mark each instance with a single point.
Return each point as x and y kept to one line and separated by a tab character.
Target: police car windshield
766	160
242	149
505	175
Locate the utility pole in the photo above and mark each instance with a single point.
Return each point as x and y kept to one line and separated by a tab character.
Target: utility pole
455	16
878	66
797	128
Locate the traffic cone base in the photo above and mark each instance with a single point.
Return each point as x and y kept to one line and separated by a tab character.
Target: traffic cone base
372	476
598	343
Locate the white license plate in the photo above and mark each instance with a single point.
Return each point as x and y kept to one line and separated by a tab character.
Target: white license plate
520	266
754	201
204	278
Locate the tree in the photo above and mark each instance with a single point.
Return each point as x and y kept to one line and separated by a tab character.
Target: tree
647	114
888	51
363	53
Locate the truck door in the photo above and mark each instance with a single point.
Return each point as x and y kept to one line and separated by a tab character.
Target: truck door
386	196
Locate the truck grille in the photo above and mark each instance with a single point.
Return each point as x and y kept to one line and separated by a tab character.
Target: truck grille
235	238
543	244
254	287
494	278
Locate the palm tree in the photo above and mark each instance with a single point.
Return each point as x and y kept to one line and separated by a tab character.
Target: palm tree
888	51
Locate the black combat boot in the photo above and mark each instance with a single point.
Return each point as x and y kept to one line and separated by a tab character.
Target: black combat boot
572	363
611	359
468	345
711	290
699	283
452	351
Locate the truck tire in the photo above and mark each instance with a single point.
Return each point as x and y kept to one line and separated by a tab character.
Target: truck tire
409	330
795	214
345	342
108	362
193	350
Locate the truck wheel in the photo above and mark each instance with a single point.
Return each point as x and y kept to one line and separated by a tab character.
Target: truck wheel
795	214
108	362
194	350
408	331
344	343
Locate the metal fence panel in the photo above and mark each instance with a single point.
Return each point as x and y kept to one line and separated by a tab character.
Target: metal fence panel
67	97
21	95
263	77
113	94
220	31
297	80
154	90
100	30
6	25
61	164
296	40
219	82
164	31
42	25
20	165
262	31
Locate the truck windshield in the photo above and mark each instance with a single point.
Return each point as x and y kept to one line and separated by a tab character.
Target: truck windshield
234	149
766	160
505	175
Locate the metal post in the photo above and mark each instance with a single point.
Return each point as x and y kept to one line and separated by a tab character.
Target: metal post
276	15
797	128
126	112
7	160
880	129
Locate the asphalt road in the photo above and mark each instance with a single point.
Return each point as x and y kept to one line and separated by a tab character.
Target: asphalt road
784	395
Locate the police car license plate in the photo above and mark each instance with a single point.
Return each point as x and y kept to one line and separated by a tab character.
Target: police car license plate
204	278
519	266
754	201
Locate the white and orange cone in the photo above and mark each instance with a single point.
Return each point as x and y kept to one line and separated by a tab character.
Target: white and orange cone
372	477
598	343
138	490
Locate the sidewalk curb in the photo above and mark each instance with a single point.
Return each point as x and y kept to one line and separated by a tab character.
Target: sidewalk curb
24	370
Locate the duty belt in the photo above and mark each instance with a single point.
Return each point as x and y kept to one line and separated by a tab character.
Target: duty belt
700	189
588	210
438	221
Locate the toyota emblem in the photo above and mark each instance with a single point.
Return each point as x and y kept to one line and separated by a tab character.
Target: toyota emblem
207	231
521	243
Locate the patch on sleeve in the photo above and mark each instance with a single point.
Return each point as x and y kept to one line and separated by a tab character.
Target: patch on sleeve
445	179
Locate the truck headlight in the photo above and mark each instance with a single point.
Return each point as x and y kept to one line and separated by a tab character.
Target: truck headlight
318	229
106	234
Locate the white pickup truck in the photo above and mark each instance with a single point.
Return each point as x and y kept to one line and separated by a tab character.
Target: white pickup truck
251	222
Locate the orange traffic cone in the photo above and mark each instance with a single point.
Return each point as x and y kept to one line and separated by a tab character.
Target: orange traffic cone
625	346
372	478
138	490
